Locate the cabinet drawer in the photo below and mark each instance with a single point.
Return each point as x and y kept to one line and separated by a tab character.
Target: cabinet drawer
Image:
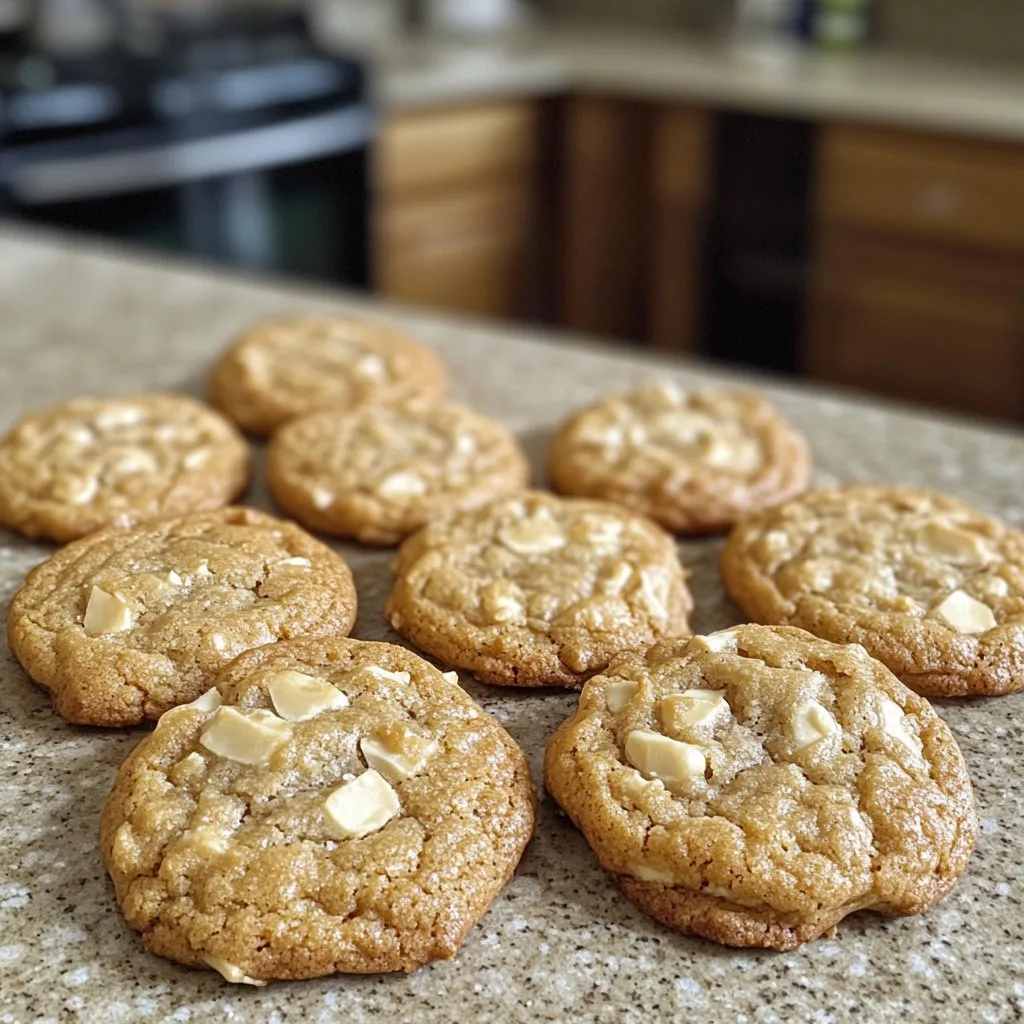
682	156
912	323
928	186
436	149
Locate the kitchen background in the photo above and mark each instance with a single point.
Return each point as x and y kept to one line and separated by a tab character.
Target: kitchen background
833	189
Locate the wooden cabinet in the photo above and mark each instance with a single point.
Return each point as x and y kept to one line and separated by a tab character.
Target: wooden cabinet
918	284
455	204
633	194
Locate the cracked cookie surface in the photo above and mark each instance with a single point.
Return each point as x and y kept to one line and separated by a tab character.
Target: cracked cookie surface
93	463
380	473
758	785
537	590
931	586
123	624
285	368
346	808
694	462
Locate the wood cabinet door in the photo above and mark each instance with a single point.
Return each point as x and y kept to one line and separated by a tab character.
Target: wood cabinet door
920	323
465	252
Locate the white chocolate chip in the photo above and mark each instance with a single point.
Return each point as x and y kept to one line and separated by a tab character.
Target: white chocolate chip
172	578
465	444
123	416
600	531
245	736
451	677
893	722
723	640
664	758
692	707
402	485
636	434
196	458
616	579
78	435
537	536
959	546
647	873
396	751
298	563
965	614
500	601
297	696
74	489
229	972
135	461
208	840
209	701
219	641
667	391
604	435
619	694
321	498
107	613
371	367
363	805
382	673
811	723
204	569
741	455
653	591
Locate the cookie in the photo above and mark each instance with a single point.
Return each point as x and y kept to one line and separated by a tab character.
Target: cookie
333	805
695	463
285	368
758	785
932	587
537	590
381	472
122	625
100	462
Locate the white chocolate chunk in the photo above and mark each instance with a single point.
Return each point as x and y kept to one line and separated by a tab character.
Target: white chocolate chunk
741	455
297	697
364	805
723	640
599	530
229	972
647	873
78	435
464	444
667	391
501	602
208	840
107	613
196	458
965	613
402	485
664	758
204	569
451	677
894	724
209	701
653	591
616	579
692	707
536	536
74	489
298	563
137	460
620	693
123	416
219	641
172	578
371	367
396	751
811	723
245	736
383	673
605	435
321	498
957	545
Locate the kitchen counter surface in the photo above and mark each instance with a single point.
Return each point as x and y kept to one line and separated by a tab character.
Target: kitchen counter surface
561	943
871	86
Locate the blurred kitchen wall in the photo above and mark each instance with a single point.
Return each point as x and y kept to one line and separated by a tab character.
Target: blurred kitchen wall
976	30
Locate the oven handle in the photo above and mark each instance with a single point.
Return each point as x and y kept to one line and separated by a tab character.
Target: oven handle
113	174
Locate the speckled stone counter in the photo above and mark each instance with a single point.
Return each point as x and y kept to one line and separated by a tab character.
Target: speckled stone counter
561	943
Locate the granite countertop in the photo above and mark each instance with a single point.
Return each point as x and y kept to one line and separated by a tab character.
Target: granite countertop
884	88
561	942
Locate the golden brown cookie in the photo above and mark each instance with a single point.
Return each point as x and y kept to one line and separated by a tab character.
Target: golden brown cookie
932	587
379	473
288	367
758	785
693	462
98	462
123	624
333	806
537	590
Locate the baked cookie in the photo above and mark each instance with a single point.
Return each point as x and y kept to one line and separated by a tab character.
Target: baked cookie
123	624
693	462
932	587
379	473
537	590
285	368
98	462
333	805
758	785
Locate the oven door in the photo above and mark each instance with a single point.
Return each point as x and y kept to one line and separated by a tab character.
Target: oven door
290	197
